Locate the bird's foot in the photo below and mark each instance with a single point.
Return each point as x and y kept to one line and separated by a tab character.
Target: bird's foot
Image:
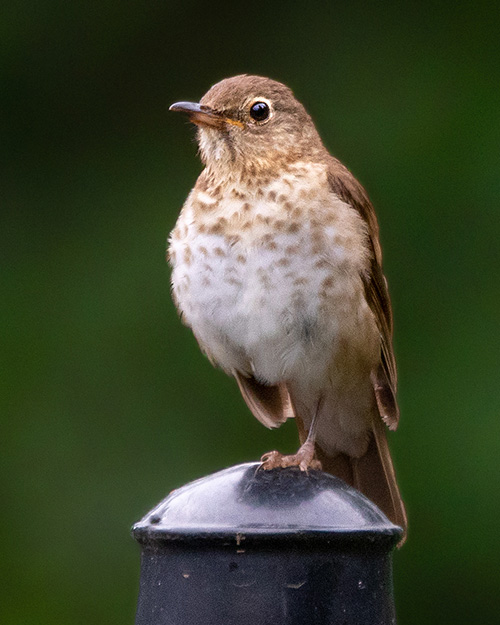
304	459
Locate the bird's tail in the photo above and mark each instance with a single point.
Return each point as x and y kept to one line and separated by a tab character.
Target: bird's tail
372	474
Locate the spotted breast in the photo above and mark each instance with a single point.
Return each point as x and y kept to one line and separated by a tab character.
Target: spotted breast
268	281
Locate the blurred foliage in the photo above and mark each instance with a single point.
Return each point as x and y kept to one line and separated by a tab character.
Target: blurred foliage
107	403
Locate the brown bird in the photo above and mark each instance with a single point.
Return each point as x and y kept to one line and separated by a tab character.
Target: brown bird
277	269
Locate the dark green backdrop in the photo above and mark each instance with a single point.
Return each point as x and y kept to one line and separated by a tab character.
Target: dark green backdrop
107	403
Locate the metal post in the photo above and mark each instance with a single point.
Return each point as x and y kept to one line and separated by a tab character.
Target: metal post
251	547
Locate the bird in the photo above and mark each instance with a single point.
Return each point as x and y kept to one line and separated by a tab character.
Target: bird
277	269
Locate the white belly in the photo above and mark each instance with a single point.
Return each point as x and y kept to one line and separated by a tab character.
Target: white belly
277	308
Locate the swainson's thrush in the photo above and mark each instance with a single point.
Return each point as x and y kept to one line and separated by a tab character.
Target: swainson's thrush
277	269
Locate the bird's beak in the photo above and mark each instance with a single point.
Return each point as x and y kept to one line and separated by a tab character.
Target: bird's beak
203	115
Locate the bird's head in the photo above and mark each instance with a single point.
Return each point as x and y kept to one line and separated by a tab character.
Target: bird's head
251	124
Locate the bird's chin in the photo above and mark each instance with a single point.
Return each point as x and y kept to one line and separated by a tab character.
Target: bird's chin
213	148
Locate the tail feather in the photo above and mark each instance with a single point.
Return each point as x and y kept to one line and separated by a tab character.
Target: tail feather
372	474
394	508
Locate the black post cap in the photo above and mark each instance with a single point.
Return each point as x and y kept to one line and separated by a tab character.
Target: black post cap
251	547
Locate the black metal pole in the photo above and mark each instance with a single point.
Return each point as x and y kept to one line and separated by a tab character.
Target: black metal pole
250	547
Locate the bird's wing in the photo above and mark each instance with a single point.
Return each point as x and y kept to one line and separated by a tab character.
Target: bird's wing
384	379
270	404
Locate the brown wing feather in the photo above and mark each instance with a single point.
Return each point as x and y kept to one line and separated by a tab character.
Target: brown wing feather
384	379
270	404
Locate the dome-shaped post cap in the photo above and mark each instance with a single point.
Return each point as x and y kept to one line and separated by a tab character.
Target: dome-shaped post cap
246	546
282	502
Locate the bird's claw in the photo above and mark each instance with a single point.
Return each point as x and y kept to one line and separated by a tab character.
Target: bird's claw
304	459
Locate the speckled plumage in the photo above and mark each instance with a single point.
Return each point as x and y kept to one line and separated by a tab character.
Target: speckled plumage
276	271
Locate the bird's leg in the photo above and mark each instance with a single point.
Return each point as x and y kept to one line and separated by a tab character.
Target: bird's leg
305	456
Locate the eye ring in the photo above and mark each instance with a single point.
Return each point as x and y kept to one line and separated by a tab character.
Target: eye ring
260	111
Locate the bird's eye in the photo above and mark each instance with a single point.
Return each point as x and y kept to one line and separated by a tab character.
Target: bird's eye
259	111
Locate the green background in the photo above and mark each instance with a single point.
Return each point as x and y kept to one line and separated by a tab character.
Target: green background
107	403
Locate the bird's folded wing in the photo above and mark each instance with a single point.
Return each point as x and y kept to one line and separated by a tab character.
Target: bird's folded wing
384	378
270	404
